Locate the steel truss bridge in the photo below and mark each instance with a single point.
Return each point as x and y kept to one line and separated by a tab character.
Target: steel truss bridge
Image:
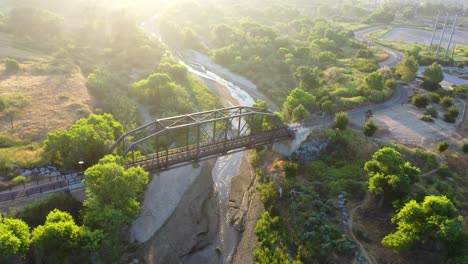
187	138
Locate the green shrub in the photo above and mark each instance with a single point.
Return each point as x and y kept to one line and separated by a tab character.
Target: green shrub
35	213
451	114
20	180
435	97
430	86
465	148
427	118
443	146
7	140
370	128
431	111
341	120
290	169
453	111
420	100
446	101
391	83
11	65
449	119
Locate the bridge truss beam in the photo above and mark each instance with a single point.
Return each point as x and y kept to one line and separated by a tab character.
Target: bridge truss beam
167	141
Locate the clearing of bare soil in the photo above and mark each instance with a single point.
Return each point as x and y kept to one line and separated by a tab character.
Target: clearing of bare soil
402	124
54	101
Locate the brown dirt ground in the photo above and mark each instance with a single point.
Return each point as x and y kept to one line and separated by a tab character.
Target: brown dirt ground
54	101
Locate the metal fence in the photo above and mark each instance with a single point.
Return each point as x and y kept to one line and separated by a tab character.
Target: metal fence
61	182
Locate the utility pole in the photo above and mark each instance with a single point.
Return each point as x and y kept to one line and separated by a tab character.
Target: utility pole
442	36
451	36
433	33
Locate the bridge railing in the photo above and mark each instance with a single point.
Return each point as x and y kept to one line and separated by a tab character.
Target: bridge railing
66	180
180	155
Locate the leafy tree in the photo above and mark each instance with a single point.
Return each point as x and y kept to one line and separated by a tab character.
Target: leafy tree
298	97
328	107
434	73
113	193
307	77
269	249
88	139
14	237
12	107
431	111
163	95
11	65
382	15
261	104
61	240
290	169
435	97
341	120
452	114
370	128
435	219
443	146
389	174
374	81
420	100
446	101
408	68
300	113
465	148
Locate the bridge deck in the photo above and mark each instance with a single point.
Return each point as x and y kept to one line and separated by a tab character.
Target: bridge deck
165	159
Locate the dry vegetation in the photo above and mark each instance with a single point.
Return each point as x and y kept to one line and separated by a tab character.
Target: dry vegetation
55	101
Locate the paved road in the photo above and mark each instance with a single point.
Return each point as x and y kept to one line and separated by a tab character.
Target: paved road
394	56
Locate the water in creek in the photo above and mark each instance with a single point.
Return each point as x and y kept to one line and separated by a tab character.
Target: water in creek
225	168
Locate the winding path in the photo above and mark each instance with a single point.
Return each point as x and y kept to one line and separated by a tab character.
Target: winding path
401	96
394	56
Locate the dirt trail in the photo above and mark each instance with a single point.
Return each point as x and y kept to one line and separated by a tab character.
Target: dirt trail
351	232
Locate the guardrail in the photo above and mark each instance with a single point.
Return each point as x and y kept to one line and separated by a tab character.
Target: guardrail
66	180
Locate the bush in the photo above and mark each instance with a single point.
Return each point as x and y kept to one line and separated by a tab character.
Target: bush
341	120
453	111
427	118
431	111
446	101
451	114
449	119
11	65
370	128
20	180
465	148
430	86
443	146
290	169
435	97
391	83
420	100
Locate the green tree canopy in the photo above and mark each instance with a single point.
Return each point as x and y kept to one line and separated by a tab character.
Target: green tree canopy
433	219
434	73
113	194
35	23
389	174
370	128
300	97
15	237
61	240
162	94
89	139
307	77
341	120
300	113
408	68
374	81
